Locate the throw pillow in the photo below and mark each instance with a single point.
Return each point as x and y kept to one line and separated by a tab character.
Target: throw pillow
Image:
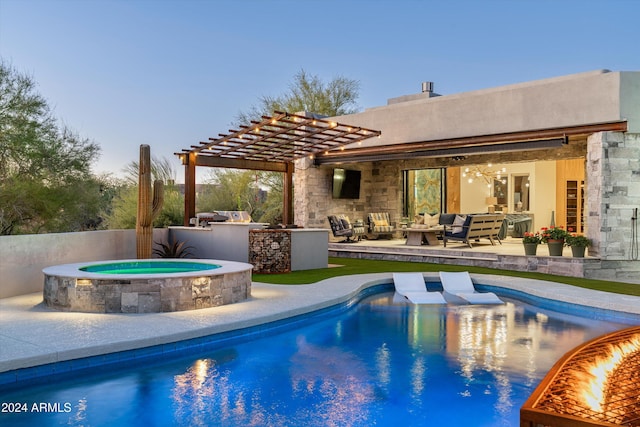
382	223
432	220
418	219
458	222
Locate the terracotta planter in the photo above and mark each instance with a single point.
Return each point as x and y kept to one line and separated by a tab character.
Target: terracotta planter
578	251
530	248
555	247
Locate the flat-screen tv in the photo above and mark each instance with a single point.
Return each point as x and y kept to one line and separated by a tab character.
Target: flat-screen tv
346	184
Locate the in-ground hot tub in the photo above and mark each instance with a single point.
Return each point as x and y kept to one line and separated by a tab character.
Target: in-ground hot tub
146	286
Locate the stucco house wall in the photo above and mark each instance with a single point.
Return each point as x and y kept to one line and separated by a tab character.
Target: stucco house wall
591	97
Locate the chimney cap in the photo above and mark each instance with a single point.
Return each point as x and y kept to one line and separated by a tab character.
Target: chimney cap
427	86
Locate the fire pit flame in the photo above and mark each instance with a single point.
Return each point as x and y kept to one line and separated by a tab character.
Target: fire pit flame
597	383
593	380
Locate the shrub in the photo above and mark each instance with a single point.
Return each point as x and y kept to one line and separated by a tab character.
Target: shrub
578	240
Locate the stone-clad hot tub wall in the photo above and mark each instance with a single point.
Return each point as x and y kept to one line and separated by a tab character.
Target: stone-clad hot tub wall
270	250
68	290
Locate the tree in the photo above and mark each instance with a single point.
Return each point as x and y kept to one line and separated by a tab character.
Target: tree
43	163
306	93
231	190
309	93
161	169
125	202
271	209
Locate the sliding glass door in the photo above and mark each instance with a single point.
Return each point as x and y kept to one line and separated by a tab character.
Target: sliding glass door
424	192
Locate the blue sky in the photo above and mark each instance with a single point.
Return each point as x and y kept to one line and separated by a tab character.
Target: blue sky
173	73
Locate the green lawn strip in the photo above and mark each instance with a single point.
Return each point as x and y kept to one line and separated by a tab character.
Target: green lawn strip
348	266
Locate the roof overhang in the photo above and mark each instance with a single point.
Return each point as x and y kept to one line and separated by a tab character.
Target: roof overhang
504	142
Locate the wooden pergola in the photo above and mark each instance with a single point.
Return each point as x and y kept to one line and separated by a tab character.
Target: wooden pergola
272	144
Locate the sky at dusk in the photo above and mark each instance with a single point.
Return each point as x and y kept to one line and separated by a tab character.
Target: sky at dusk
173	73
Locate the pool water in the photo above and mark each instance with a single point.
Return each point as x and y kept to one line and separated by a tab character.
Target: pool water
147	267
379	362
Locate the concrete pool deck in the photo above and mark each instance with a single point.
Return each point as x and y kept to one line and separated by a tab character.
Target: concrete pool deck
32	335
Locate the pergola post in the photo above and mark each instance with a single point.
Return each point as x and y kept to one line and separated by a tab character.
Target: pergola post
189	187
287	194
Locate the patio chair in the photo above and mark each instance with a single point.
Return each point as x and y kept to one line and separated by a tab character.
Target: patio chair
341	228
412	287
380	224
357	226
461	285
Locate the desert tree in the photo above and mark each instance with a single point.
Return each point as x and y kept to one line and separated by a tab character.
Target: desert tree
306	93
44	164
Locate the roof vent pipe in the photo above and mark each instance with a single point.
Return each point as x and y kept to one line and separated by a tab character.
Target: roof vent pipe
427	87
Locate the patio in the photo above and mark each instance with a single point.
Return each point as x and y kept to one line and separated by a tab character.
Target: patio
509	255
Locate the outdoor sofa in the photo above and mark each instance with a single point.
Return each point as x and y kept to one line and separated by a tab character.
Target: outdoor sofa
473	227
463	228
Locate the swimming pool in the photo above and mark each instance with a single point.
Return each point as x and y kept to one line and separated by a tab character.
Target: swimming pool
377	362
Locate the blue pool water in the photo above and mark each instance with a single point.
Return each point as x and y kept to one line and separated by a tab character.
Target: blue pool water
148	267
378	362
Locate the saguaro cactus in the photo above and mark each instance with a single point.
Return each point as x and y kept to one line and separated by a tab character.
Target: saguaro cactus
148	208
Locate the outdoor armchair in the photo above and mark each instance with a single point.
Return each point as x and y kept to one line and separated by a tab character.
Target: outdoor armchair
341	227
380	224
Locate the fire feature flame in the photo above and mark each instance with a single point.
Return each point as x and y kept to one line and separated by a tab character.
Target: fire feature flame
593	380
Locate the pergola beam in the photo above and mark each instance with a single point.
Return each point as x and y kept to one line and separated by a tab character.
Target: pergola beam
223	162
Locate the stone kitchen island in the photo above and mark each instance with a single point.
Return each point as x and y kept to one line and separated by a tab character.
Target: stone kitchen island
269	250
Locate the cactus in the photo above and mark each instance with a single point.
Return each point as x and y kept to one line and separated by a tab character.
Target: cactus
148	209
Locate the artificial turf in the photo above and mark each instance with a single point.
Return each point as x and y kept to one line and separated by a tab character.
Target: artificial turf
347	266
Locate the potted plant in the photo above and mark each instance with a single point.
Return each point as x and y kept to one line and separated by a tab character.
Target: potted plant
578	244
531	242
555	238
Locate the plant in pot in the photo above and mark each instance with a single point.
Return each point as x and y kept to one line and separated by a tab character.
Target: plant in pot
555	238
578	244
531	241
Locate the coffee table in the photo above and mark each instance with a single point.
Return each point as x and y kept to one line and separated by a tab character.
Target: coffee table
428	236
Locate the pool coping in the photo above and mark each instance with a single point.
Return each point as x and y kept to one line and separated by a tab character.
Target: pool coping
34	335
74	270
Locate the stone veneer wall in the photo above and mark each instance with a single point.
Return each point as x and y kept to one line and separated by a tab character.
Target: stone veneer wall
146	295
569	266
270	251
613	191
